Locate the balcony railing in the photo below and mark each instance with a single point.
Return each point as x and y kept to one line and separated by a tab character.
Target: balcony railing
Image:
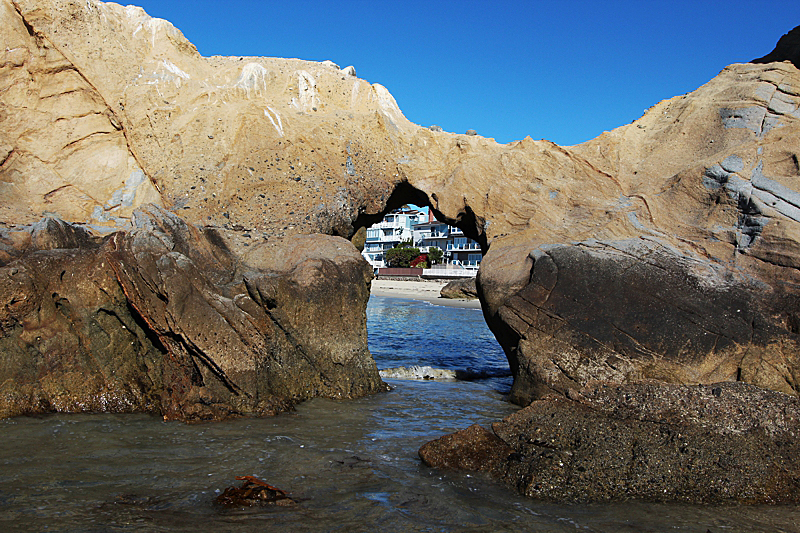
467	264
466	247
388	238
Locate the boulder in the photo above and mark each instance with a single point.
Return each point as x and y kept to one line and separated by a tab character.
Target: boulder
460	288
719	443
634	310
164	318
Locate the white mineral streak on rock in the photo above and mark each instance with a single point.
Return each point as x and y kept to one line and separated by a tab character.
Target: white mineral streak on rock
279	125
388	104
307	91
253	78
125	196
159	24
170	66
354	95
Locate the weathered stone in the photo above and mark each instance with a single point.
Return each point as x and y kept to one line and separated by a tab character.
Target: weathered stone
473	449
166	319
68	341
627	311
700	444
617	259
460	288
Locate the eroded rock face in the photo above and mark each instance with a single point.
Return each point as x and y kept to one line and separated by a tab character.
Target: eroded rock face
684	246
666	249
68	341
634	310
700	444
166	319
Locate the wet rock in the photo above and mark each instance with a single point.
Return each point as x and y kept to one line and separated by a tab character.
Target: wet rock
68	341
460	288
473	449
254	492
167	319
696	444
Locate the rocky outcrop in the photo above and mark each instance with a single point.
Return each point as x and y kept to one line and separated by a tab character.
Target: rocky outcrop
178	235
682	247
460	289
634	310
164	318
699	444
666	249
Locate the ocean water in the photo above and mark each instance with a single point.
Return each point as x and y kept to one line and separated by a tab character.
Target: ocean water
352	465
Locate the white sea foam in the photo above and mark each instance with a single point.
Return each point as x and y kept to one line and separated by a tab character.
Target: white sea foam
418	372
440	374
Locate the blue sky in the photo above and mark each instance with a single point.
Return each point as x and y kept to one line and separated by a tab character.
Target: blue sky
559	70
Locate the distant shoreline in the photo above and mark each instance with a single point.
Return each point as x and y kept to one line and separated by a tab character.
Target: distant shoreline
426	291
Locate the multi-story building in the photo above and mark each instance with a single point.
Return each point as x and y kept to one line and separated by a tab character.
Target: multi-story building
431	233
462	250
425	232
395	228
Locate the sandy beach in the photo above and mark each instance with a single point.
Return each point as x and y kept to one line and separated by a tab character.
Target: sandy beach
427	291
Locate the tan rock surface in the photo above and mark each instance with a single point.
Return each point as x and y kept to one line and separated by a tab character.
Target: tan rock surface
104	109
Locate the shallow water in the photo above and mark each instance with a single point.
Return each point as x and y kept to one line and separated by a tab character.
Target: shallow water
353	465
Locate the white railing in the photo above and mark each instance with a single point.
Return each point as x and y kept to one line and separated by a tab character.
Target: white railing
466	264
467	247
449	272
388	238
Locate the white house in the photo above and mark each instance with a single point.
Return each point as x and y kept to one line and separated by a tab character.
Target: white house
425	232
395	228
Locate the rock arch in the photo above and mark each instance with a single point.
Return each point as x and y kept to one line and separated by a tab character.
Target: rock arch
246	198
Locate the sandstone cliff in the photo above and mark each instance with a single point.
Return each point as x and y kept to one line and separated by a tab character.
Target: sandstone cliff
664	250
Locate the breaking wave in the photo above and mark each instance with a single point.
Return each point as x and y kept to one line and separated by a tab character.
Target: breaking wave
441	374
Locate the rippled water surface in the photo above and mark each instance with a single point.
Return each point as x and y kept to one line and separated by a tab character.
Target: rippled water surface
353	465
